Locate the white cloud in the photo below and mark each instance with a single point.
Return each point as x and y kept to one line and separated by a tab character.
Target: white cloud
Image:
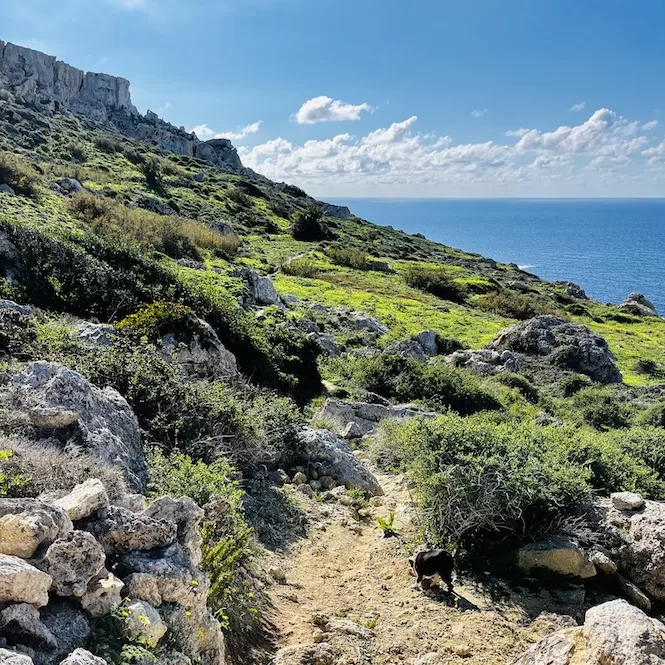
517	132
652	124
204	132
655	155
326	109
479	113
576	108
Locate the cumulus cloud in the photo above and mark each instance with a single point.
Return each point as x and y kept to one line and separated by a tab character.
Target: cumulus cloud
576	108
326	109
655	155
204	132
652	124
479	113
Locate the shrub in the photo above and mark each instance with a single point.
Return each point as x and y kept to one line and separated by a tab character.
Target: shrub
446	345
107	144
77	152
155	320
309	225
18	174
152	171
437	282
646	366
17	334
350	257
239	199
301	267
513	305
601	409
653	415
522	384
572	384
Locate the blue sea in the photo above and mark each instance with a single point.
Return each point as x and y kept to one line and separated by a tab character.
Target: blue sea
609	246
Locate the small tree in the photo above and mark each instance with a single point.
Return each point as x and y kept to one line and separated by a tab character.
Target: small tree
309	225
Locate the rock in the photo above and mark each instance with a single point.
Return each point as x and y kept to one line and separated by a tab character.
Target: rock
82	657
427	340
569	345
165	576
407	348
637	304
328	482
485	362
332	210
197	633
153	204
104	594
84	500
306	490
22	583
627	501
98	334
326	343
22	534
23	310
352	431
119	531
50	417
545	420
8	657
574	290
342	626
66	186
561	556
432	658
323	446
73	562
636	596
143	624
613	633
68	624
23	625
106	422
58	525
359	321
337	414
219	152
6	189
314	654
308	326
374	398
603	563
299	479
187	516
261	288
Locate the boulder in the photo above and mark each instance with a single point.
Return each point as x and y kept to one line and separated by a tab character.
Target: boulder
22	583
569	345
120	531
561	556
358	321
53	520
613	633
66	186
337	414
52	417
104	594
574	290
407	348
261	289
323	446
143	624
627	501
485	362
82	657
22	534
68	624
84	500
8	657
6	189
107	424
197	633
639	305
313	654
73	562
352	431
23	625
326	343
428	342
97	334
23	310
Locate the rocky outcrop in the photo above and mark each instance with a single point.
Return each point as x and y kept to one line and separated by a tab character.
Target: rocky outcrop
106	423
568	345
261	289
338	414
560	556
324	447
637	304
613	632
41	79
485	362
220	153
573	290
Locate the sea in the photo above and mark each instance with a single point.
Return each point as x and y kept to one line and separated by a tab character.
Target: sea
610	247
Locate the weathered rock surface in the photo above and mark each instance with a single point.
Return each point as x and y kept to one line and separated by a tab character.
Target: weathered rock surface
69	625
627	501
574	290
639	305
337	414
569	345
261	288
408	348
99	334
82	657
323	446
107	423
326	343
23	625
197	633
26	524
8	657
313	654
22	583
561	556
485	362
613	633
84	500
103	595
143	624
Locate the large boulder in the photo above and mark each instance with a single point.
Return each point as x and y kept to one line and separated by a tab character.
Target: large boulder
560	556
261	289
322	446
84	500
142	623
23	625
82	657
337	414
67	622
103	595
639	305
108	427
407	348
614	633
22	583
569	345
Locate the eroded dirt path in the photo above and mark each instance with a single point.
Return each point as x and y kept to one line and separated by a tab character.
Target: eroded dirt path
346	569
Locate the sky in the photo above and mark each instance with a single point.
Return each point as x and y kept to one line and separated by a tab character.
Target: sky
387	98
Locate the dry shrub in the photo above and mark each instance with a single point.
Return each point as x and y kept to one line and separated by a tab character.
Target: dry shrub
18	174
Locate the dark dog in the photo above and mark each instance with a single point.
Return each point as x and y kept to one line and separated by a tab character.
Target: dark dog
434	562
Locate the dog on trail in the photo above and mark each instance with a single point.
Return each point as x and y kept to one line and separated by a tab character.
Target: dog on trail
433	562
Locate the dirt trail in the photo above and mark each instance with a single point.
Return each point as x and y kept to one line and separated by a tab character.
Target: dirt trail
346	569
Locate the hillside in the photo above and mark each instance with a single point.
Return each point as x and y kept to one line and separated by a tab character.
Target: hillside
173	323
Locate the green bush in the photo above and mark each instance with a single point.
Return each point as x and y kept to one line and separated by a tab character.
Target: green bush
513	305
107	144
653	415
77	152
18	174
522	384
447	345
437	282
155	320
300	267
601	409
572	384
152	171
309	225
17	334
647	366
349	257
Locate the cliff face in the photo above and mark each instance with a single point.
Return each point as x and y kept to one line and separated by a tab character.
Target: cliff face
41	79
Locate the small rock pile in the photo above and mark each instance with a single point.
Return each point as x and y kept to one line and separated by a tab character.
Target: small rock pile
68	561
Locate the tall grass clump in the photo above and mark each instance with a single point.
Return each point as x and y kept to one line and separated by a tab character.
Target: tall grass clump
435	281
18	174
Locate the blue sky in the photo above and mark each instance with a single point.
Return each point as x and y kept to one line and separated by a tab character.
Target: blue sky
388	98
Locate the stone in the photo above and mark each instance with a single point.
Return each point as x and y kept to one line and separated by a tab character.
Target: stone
432	658
359	321
561	556
97	334
342	626
58	525
6	189
8	657
352	431
323	446
574	290
66	186
197	633
22	534
142	623
569	345
428	342
103	595
313	654
22	583
68	624
326	343
635	595
603	563
82	657
407	348
639	305
337	414
299	479
261	288
328	482
554	649
106	422
23	625
120	531
627	501
23	310
219	152
165	576
485	362
73	562
51	417
186	515
84	500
